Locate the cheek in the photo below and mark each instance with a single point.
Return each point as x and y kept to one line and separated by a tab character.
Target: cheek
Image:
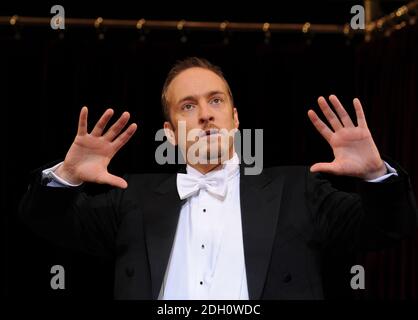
182	123
229	119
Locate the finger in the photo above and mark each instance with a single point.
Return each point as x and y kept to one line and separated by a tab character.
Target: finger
101	124
117	127
329	114
82	122
326	167
344	117
113	180
361	119
320	125
120	141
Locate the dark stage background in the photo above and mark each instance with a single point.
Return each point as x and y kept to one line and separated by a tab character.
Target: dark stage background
46	79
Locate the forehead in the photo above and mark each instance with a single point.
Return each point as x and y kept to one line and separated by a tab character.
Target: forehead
194	82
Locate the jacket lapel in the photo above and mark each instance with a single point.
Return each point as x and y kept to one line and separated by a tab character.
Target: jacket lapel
260	205
160	228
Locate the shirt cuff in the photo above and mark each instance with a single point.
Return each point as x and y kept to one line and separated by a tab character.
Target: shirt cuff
391	172
52	180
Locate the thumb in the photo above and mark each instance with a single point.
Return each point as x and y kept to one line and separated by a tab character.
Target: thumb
327	167
114	181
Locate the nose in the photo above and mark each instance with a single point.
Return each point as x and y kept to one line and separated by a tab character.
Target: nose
205	114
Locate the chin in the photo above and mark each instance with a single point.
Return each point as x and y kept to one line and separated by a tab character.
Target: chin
210	151
217	156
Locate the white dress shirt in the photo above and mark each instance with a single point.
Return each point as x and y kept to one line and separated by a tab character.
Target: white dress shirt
207	258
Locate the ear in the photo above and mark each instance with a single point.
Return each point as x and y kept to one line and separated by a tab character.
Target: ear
236	120
170	134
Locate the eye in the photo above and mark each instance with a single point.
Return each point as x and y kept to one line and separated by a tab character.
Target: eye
187	106
217	100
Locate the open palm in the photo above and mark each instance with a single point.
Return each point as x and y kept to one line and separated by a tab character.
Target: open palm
89	155
354	149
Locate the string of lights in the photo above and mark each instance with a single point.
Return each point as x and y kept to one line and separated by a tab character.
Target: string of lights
396	20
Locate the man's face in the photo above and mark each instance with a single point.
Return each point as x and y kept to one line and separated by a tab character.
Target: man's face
199	99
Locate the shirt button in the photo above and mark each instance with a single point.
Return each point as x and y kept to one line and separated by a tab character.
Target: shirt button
204	210
203	246
287	277
201	282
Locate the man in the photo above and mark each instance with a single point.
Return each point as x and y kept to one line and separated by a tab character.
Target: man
216	233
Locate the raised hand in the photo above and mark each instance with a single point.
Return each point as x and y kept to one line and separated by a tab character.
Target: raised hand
90	154
354	149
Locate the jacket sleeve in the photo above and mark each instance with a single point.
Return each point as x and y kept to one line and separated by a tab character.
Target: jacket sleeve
375	216
70	217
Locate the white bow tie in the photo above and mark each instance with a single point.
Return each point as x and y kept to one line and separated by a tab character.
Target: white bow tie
188	185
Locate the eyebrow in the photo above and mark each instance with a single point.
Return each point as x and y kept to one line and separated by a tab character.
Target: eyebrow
208	94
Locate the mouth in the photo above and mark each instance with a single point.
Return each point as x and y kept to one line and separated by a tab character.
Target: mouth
208	132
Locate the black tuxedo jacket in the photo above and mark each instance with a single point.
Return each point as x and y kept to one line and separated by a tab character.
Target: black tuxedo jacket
289	217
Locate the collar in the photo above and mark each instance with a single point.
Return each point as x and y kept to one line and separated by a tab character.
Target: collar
230	166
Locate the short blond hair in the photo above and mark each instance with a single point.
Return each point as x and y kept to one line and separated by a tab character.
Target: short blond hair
182	65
